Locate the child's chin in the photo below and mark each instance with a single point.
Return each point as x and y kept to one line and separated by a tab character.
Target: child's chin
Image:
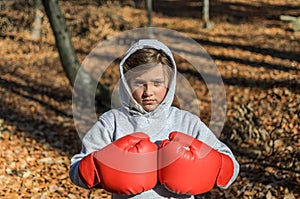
149	107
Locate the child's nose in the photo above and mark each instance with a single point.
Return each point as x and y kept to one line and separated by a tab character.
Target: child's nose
148	89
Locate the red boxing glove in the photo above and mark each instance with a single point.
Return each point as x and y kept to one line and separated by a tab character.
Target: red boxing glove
126	166
226	171
88	172
188	166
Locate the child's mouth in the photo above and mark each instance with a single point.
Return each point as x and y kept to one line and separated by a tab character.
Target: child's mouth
148	101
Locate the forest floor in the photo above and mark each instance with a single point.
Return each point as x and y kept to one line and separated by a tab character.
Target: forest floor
257	56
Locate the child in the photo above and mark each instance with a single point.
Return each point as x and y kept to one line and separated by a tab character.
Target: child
148	148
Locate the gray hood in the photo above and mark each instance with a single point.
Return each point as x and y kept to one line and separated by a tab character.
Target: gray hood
127	101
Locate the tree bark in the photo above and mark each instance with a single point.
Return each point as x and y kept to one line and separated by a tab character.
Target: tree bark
149	16
85	87
36	27
205	15
149	12
62	38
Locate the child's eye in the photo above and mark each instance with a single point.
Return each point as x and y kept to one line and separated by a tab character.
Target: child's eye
138	83
158	83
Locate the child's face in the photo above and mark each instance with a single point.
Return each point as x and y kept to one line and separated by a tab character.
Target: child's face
150	87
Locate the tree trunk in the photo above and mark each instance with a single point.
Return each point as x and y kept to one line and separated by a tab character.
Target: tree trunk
149	16
205	15
63	39
149	12
65	48
135	3
36	28
85	87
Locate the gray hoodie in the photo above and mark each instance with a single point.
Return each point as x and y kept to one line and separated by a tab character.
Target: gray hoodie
131	117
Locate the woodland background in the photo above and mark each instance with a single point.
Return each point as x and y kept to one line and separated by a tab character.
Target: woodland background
256	53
